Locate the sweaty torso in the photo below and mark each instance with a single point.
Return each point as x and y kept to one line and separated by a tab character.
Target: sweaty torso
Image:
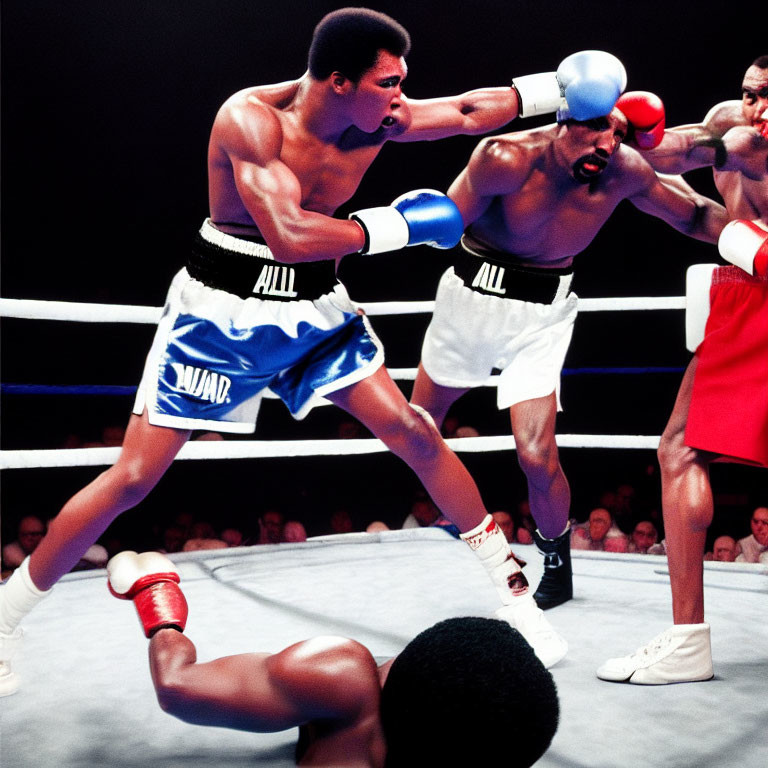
549	217
328	171
746	193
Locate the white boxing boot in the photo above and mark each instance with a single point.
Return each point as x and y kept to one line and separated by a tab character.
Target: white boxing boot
681	654
519	610
9	681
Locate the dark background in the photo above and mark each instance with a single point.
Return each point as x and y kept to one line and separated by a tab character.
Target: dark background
106	109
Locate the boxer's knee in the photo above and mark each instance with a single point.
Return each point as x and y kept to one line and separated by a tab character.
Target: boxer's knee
675	457
130	480
538	456
413	436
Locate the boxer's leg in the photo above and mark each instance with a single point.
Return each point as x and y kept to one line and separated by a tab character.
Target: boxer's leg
682	653
434	398
533	425
378	403
686	497
146	454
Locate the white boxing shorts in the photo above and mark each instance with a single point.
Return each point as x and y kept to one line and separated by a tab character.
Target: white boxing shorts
493	314
237	322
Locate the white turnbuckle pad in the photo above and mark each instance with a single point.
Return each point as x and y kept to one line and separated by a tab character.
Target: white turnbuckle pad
698	281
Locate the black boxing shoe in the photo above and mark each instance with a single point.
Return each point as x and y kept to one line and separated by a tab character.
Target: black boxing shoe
556	585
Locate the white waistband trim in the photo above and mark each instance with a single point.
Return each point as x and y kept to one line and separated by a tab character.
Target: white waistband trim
210	234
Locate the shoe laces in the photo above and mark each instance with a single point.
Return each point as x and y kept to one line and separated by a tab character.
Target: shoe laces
654	647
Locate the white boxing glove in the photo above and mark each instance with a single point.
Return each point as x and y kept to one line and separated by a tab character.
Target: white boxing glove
745	244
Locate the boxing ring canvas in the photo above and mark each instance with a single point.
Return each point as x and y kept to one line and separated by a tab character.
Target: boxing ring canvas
87	699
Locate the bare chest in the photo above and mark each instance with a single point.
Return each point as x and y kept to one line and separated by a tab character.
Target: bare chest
328	175
546	222
744	198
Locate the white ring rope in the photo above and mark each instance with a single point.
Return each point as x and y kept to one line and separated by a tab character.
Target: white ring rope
33	309
248	449
252	449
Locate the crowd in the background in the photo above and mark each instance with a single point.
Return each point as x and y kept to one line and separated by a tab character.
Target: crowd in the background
612	526
624	518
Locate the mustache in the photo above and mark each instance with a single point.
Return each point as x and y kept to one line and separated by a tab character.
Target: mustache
598	158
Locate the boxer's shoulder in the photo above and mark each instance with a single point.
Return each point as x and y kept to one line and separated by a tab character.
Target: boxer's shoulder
722	117
338	674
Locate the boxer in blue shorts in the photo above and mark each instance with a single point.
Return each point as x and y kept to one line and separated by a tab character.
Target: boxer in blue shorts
258	304
531	201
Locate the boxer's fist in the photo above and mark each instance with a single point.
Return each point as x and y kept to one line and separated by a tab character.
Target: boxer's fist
645	114
422	217
592	81
745	244
151	581
586	85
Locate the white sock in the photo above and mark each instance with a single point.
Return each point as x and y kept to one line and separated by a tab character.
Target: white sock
489	543
18	596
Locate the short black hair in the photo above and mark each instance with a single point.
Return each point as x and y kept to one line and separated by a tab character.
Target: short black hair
349	41
468	691
761	62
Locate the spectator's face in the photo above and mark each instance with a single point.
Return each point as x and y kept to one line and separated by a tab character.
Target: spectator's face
173	539
424	512
232	536
31	532
341	522
760	525
644	536
504	521
294	531
272	524
724	549
599	523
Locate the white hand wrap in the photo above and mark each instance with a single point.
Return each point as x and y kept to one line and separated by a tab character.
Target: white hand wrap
385	229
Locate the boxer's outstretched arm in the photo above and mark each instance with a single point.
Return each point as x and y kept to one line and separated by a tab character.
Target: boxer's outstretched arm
672	199
585	85
325	678
697	145
474	112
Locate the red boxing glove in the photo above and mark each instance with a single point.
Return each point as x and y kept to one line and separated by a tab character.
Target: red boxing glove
745	244
151	580
645	114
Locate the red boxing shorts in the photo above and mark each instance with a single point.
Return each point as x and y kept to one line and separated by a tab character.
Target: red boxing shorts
728	413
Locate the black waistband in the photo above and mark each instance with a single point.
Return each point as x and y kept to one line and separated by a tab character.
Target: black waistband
247	275
495	273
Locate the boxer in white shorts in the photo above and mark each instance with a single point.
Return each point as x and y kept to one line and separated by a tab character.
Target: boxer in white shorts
475	330
531	201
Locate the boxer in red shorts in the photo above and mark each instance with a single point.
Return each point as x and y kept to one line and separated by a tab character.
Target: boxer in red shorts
721	411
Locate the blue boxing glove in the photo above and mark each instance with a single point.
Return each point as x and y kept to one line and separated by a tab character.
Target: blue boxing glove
421	217
586	85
